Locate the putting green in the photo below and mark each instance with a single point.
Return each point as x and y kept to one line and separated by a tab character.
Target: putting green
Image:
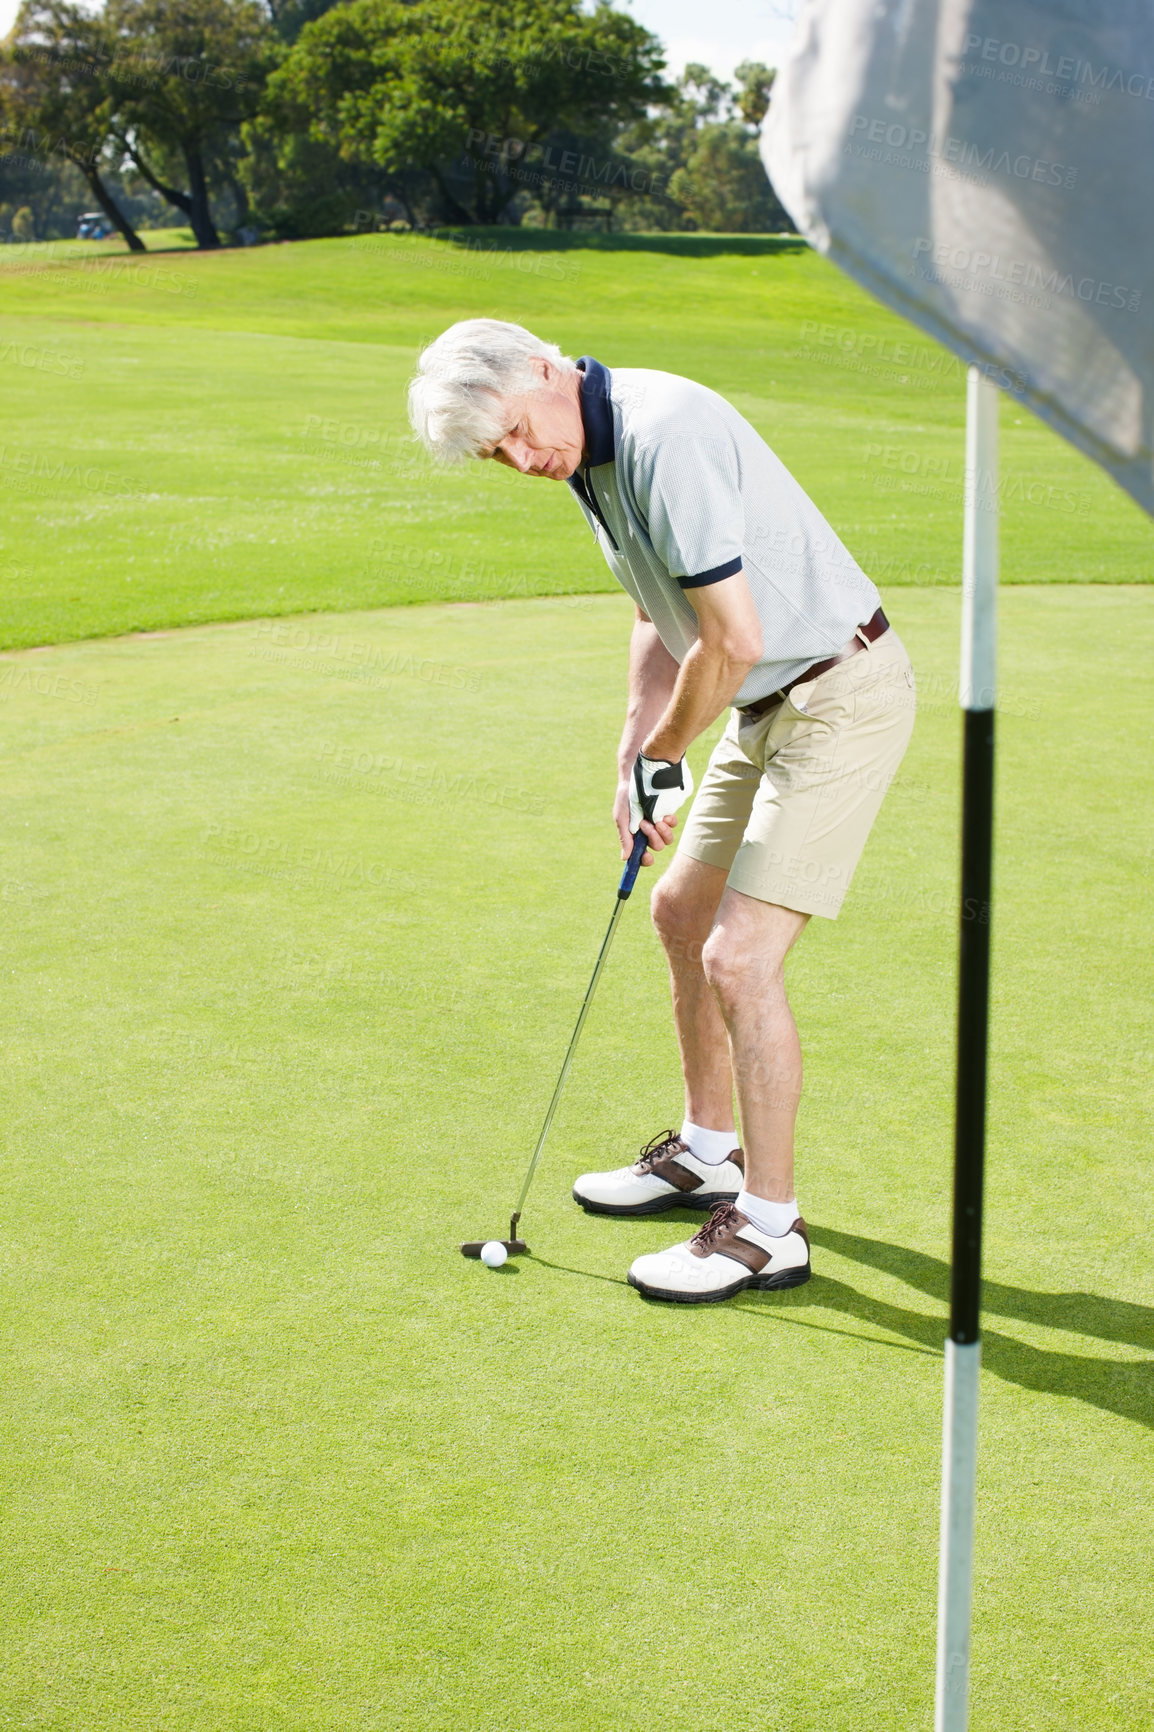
190	437
294	943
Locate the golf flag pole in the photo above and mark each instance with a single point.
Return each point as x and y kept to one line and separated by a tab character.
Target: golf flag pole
882	125
963	1347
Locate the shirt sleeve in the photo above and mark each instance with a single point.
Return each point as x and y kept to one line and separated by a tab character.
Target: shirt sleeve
688	493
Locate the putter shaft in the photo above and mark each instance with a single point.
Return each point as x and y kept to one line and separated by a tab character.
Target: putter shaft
586	1002
514	1243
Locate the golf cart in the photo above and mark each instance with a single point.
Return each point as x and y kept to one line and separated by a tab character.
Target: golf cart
93	225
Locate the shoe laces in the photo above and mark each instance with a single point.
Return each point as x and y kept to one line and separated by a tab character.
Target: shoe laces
658	1149
724	1219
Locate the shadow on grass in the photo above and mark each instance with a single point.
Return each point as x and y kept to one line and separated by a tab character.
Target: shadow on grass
1126	1389
586	1274
1083	1313
680	246
1117	1387
822	1329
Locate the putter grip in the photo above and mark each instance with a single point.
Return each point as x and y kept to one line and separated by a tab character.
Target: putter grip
633	867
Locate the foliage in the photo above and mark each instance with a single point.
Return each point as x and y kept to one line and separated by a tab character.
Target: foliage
289	17
754	87
467	92
56	99
723	185
303	118
183	81
701	146
300	187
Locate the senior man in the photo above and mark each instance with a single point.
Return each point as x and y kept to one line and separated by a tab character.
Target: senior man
744	597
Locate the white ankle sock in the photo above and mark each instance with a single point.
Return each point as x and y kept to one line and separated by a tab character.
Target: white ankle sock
709	1147
774	1219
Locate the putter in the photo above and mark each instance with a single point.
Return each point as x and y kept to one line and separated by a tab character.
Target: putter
513	1244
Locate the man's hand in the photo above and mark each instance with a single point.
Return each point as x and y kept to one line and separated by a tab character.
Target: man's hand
657	788
660	834
648	800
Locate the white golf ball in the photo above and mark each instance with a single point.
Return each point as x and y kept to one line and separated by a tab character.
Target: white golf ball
493	1254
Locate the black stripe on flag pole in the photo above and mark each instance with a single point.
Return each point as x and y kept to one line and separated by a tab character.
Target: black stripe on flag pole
977	690
973	1022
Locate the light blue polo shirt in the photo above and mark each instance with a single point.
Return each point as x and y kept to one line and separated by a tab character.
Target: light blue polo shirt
680	491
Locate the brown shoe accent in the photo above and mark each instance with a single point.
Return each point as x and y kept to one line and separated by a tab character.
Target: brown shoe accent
719	1235
660	1158
682	1187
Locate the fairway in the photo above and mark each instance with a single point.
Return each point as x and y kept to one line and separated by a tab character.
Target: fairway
191	437
288	987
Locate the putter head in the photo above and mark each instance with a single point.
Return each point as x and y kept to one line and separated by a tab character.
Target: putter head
514	1246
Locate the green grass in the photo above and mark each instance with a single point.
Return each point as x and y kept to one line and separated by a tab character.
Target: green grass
285	1004
188	437
288	988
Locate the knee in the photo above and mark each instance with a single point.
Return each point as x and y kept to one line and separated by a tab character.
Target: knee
674	917
734	971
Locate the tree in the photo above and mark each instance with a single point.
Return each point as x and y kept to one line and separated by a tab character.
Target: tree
705	140
300	187
754	84
723	186
289	17
665	138
185	76
55	94
465	92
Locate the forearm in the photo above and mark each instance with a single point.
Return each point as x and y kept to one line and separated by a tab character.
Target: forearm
707	683
652	677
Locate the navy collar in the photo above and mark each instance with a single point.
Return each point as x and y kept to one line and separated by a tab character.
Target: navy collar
597	412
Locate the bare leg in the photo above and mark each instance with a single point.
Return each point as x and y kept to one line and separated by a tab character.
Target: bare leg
684	905
744	964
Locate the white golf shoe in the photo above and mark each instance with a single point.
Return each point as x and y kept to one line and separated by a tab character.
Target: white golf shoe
728	1254
664	1176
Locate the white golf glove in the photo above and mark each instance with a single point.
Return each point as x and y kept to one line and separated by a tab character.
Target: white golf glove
657	788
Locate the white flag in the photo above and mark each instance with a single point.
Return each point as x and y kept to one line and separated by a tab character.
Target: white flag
985	167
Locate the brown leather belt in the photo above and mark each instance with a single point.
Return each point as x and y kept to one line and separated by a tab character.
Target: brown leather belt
867	633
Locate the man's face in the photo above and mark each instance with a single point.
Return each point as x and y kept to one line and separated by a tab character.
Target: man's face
546	434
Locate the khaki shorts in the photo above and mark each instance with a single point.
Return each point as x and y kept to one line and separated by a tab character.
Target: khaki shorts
790	796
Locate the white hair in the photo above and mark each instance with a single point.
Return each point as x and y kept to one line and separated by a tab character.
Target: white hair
454	402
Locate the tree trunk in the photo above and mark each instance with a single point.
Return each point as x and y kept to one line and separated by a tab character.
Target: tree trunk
179	200
199	214
395	189
455	212
110	207
493	193
240	201
192	204
496	196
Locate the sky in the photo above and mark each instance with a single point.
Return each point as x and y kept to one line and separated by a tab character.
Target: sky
718	32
